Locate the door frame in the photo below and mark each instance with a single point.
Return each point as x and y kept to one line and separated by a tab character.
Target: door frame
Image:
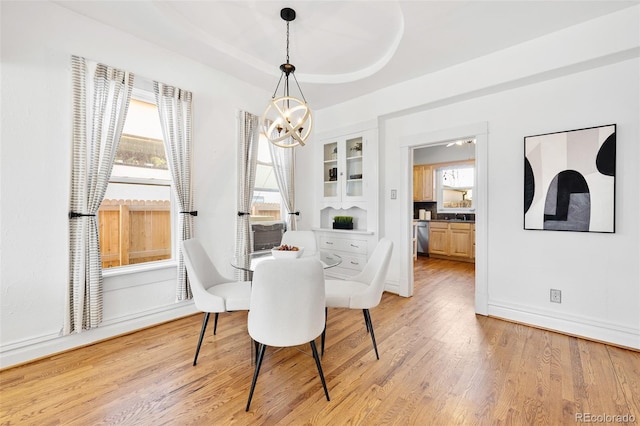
480	132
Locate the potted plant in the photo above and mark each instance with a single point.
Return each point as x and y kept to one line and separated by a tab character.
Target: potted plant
342	222
356	149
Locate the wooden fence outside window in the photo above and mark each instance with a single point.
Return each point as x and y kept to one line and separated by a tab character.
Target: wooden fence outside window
134	231
265	211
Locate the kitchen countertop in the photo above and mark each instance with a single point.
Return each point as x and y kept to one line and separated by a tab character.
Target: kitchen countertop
446	220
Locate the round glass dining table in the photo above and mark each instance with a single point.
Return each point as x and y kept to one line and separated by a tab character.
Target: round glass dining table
248	263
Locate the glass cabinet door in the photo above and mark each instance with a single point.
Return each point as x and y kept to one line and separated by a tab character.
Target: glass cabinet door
343	169
331	169
353	154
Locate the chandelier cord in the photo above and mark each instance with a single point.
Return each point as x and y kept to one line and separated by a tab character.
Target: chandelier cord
286	80
287	41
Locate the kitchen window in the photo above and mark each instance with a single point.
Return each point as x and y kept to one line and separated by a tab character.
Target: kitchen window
455	185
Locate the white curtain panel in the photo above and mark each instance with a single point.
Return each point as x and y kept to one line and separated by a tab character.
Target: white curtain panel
101	97
247	159
175	109
283	166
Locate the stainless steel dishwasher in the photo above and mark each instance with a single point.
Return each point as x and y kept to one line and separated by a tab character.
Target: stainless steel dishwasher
423	238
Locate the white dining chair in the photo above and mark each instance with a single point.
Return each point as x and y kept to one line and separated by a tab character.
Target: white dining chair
306	239
211	291
287	308
363	291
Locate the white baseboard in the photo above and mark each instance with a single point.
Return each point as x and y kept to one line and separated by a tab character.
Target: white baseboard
392	287
580	327
43	346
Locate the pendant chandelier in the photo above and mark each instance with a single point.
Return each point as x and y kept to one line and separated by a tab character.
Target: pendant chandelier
287	121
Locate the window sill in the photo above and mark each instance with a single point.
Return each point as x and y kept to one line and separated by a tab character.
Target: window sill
134	269
128	277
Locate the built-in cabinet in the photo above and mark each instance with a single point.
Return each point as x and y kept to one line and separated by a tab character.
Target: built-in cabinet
344	170
423	183
349	176
352	248
453	240
349	188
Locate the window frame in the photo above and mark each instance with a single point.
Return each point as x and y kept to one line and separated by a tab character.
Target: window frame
440	187
146	95
265	141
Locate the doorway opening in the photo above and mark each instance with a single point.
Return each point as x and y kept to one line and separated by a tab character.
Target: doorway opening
444	213
468	213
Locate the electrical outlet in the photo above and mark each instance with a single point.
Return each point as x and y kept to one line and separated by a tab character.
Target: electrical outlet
555	295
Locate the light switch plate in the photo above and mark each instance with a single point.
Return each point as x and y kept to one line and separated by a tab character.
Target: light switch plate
394	194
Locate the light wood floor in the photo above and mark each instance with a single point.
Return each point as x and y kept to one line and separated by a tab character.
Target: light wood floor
440	364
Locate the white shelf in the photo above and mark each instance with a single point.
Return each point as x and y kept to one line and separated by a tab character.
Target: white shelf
345	231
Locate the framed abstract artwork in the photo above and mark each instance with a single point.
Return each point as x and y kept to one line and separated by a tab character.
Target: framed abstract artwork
570	180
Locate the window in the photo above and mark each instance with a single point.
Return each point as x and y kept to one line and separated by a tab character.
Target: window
454	186
135	217
267	202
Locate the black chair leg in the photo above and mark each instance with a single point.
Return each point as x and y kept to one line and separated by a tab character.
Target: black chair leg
215	324
315	356
366	322
204	327
324	332
256	346
367	316
255	374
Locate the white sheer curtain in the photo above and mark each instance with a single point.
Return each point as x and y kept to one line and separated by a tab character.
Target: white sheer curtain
97	128
283	167
175	109
247	158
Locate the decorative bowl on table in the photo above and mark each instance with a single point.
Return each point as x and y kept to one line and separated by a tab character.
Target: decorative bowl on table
287	252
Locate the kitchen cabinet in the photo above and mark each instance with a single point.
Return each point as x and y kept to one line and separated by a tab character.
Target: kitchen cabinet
473	241
452	240
439	238
423	183
460	240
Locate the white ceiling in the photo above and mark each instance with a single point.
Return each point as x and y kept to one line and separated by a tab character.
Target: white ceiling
341	49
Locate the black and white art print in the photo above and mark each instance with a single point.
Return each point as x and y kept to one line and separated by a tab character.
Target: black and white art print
569	180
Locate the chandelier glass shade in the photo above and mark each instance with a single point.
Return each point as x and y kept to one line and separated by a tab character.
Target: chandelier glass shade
287	121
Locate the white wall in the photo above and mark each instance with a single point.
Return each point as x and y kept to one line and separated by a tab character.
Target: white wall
547	84
582	76
38	39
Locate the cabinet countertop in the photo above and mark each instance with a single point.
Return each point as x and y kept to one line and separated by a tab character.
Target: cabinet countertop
345	231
